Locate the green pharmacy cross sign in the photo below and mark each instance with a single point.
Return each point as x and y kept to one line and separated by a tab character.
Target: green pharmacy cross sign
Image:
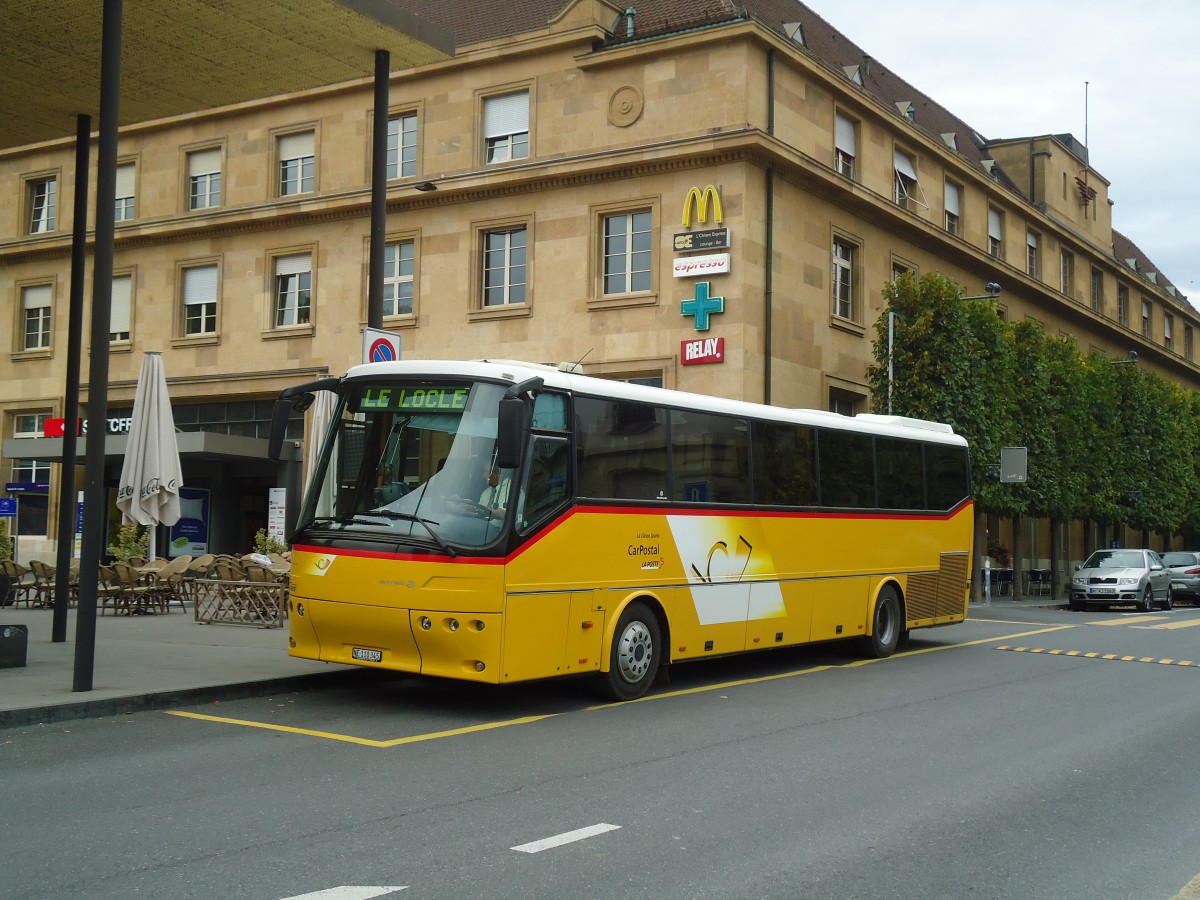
702	306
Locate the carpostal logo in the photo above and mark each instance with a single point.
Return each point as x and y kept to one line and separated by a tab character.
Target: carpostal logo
699	200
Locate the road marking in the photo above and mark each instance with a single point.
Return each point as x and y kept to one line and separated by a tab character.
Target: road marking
1137	621
1107	656
526	720
350	892
567	837
365	742
1186	623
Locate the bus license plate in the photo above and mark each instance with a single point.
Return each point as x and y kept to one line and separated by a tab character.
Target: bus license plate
364	655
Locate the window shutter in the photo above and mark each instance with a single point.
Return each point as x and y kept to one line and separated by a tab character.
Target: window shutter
506	115
125	180
952	198
35	297
993	224
199	285
904	166
293	265
1031	239
122	291
297	146
205	162
844	135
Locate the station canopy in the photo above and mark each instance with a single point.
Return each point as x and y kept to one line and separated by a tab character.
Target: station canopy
185	56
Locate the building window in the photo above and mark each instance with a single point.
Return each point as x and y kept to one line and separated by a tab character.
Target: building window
907	191
293	290
35	505
506	127
1123	305
1097	291
402	146
627	252
504	267
398	262
995	233
952	198
200	300
124	206
43	204
1168	331
35	316
845	144
1032	260
843	278
119	313
843	402
1066	271
1187	341
1146	318
204	178
297	161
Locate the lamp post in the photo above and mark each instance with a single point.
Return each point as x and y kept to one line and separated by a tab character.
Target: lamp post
993	291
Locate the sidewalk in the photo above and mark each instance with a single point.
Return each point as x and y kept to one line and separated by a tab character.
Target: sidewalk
147	662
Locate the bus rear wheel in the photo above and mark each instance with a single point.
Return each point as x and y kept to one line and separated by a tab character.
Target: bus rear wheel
635	655
886	626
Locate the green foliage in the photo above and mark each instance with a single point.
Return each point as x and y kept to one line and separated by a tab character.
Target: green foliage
265	543
6	541
132	541
1106	440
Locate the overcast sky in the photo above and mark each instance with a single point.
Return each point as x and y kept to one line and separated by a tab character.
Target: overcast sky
1018	68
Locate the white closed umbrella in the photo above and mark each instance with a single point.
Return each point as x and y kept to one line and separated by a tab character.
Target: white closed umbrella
148	492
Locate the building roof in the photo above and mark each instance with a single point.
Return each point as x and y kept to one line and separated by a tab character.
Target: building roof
188	55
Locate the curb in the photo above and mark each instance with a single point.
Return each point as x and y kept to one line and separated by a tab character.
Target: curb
117	706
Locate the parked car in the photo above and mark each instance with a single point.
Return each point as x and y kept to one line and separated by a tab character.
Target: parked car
1185	574
1112	577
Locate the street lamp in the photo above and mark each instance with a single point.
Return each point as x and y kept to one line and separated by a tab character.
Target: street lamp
993	291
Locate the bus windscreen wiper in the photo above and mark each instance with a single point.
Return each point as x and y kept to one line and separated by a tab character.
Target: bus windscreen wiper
407	517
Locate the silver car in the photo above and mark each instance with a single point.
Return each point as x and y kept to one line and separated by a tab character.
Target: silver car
1185	574
1112	577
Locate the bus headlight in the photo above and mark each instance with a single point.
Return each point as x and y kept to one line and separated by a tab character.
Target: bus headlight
426	623
454	624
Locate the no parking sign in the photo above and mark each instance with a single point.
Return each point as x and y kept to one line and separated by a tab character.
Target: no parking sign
380	345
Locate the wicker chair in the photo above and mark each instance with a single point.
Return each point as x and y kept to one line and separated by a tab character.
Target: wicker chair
20	583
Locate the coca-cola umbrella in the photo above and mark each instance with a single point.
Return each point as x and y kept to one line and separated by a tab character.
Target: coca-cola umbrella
148	492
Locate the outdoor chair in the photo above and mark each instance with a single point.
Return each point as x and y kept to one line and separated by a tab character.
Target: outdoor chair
108	589
137	593
20	583
169	582
43	582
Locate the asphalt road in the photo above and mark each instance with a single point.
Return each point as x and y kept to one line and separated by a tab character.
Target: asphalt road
986	761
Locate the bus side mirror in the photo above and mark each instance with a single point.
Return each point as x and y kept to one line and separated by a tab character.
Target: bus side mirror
298	399
510	432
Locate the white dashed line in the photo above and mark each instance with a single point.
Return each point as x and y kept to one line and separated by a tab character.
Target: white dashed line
567	837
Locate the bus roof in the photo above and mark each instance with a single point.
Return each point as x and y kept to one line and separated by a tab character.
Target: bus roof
512	372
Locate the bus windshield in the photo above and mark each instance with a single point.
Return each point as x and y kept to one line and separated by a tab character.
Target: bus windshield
413	461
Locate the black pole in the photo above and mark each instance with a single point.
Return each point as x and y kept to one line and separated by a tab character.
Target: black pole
66	481
95	499
383	66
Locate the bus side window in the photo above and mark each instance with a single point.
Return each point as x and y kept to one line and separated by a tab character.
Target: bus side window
546	482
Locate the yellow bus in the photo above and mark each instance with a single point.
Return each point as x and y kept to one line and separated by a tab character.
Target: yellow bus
500	522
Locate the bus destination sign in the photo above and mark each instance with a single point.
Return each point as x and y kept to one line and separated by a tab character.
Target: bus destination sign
418	399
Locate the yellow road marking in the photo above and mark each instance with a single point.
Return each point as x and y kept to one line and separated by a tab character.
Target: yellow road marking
1136	621
366	742
526	720
1111	656
1186	623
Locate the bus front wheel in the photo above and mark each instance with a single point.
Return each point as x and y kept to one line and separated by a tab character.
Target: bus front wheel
886	626
635	655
